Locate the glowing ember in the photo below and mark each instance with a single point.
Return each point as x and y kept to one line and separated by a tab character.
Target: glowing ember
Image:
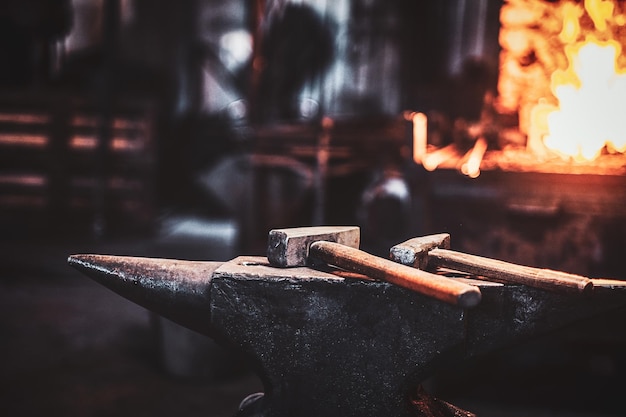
420	135
471	168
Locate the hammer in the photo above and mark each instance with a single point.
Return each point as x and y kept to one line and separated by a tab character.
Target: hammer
338	246
434	251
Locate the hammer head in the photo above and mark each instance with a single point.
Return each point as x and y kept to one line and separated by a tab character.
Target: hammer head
414	252
290	247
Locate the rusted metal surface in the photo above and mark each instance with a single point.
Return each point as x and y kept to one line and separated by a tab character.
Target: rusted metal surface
335	344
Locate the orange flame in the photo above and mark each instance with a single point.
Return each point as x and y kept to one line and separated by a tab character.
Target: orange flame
591	92
571	22
600	12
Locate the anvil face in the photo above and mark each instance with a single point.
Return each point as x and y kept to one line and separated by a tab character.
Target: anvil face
325	343
332	342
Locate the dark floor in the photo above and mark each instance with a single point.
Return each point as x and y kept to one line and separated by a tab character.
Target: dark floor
70	347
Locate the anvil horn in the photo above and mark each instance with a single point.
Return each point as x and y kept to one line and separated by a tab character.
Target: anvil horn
175	289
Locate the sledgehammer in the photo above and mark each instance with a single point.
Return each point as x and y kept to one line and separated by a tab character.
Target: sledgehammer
338	246
434	251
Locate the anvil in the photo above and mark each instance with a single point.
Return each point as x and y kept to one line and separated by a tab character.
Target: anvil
327	343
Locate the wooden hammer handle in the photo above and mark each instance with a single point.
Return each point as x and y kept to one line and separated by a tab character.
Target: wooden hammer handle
546	279
436	286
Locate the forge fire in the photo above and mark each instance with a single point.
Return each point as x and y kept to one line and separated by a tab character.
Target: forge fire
562	70
560	92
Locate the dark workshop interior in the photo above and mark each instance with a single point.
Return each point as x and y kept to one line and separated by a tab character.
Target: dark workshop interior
188	129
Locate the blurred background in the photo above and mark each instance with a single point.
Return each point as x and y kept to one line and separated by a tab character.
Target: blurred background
190	129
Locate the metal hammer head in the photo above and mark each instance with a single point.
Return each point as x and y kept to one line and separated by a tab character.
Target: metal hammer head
290	247
414	252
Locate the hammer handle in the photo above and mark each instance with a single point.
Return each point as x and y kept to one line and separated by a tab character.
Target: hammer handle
355	260
546	279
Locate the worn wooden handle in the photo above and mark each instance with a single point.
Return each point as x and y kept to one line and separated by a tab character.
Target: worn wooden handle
546	279
436	286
